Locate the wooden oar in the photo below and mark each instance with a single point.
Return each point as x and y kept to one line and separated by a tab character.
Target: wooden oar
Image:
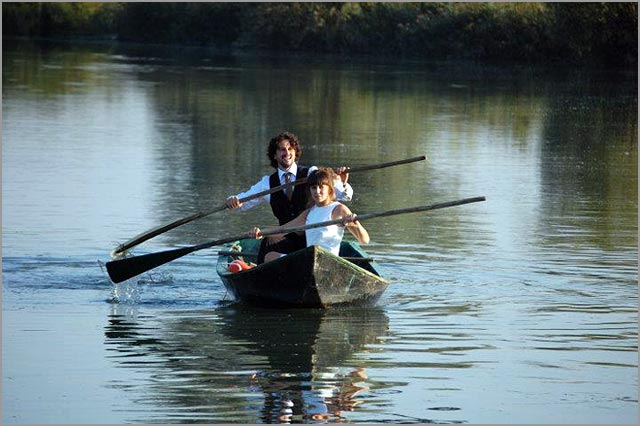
147	235
123	269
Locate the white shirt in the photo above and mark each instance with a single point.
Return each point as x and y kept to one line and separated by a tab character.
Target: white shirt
344	192
328	237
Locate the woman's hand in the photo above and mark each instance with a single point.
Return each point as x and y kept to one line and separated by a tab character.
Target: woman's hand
255	233
350	219
351	222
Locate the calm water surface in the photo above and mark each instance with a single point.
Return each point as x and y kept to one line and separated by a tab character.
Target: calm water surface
521	309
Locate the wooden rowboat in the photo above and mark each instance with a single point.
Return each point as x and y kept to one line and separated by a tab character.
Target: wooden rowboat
308	278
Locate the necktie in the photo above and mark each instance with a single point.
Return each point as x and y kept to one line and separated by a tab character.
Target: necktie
289	188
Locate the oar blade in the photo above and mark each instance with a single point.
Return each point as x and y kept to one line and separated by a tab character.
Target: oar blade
123	269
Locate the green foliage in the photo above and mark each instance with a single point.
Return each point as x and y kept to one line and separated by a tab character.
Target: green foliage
599	32
50	19
578	32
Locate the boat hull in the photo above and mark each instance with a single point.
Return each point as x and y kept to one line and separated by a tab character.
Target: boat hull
309	278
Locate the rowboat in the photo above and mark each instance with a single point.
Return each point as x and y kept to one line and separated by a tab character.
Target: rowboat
308	278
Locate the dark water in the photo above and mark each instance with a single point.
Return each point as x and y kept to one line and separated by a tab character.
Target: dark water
521	309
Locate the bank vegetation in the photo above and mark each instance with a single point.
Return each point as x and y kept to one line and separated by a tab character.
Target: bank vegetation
597	33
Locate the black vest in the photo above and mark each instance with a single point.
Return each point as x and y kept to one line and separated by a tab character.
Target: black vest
286	210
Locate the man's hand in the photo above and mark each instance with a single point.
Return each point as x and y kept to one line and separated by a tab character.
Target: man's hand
233	202
343	172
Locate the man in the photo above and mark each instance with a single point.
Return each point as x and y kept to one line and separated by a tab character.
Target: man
284	151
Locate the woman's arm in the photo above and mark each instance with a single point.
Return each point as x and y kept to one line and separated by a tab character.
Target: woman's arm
297	221
351	222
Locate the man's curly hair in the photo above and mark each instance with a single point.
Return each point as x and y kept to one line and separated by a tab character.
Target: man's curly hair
273	146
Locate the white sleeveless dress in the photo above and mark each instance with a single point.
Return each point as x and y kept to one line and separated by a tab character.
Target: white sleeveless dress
328	237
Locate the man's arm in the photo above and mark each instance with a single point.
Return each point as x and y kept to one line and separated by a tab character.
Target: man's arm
262	185
343	190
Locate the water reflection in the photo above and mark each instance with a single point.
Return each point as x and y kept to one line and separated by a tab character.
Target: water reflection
238	363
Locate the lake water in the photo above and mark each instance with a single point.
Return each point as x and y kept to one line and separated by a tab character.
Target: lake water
520	309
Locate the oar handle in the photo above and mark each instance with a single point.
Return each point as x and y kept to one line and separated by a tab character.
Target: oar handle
362	217
383	165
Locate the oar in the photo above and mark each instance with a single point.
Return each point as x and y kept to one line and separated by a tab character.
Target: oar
147	235
123	269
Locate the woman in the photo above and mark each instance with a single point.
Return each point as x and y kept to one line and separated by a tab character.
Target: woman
324	207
